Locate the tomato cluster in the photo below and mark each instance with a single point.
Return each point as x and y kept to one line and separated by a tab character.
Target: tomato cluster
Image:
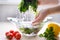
13	34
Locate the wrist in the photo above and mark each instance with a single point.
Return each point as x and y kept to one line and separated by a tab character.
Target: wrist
44	13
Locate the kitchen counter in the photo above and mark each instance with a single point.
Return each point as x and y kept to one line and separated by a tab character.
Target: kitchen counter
6	26
32	38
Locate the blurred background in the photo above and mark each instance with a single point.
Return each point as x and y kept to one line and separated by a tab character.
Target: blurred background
8	8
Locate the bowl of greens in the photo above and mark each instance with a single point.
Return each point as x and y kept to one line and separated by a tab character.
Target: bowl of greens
27	29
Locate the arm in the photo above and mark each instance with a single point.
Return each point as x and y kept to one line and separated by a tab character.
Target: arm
53	10
44	13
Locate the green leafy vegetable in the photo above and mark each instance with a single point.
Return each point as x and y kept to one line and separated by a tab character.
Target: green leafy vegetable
29	30
26	30
48	34
24	5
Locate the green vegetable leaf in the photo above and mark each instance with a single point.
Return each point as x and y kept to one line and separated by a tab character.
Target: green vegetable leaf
48	34
24	5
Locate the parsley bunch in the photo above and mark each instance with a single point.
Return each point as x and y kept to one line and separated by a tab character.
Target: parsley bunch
24	5
48	34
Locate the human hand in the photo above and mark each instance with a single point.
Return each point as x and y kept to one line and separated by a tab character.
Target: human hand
40	17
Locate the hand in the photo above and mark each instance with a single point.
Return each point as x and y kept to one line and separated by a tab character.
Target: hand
40	17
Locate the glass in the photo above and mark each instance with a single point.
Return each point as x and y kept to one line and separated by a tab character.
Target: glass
23	22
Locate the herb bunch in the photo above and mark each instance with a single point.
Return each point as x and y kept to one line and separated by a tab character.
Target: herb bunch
24	5
48	34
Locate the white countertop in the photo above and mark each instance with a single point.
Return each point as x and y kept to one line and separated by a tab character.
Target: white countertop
6	26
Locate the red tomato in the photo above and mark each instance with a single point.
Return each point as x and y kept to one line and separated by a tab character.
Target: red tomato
17	39
6	33
16	32
18	36
9	39
11	31
9	36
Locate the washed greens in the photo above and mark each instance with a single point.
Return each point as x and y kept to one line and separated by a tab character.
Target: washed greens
29	30
24	5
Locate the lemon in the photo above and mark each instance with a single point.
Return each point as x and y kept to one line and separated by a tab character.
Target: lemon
56	28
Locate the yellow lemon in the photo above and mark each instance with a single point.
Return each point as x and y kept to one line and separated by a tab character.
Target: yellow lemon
56	28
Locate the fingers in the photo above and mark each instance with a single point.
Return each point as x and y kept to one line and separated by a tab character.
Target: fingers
36	23
40	17
37	16
36	20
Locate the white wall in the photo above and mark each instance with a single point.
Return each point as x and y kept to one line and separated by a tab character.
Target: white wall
7	10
